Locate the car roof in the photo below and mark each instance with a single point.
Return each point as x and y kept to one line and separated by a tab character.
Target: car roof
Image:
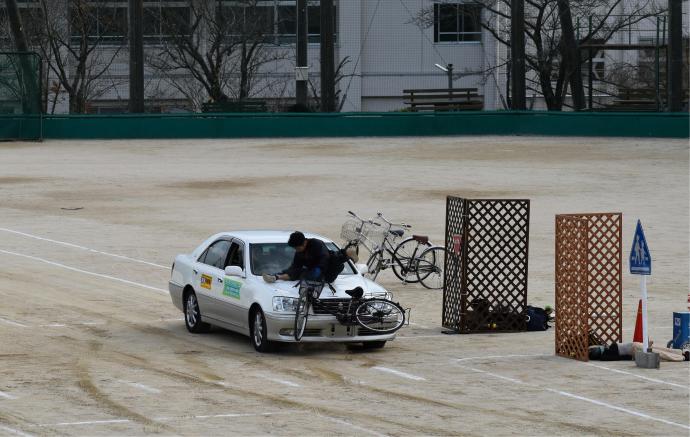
266	236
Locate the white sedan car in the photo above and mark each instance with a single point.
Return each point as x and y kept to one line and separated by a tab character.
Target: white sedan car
220	284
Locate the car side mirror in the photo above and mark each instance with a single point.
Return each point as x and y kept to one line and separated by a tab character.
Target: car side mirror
362	268
234	271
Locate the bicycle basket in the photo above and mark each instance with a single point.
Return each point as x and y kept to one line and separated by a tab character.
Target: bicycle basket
312	288
350	230
373	235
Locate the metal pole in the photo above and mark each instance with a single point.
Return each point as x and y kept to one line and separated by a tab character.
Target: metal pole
517	53
450	76
327	57
674	53
645	340
302	40
591	68
136	56
656	67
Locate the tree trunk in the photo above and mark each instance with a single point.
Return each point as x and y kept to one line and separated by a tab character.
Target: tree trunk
571	55
244	73
16	26
28	80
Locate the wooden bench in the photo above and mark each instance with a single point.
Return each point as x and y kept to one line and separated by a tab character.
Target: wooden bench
639	99
235	106
443	99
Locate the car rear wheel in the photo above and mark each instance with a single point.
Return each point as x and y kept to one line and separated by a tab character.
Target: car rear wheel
192	315
258	334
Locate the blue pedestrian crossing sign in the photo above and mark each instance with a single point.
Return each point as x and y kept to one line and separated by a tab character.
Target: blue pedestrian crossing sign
640	259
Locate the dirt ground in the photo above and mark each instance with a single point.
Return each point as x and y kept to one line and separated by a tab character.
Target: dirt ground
90	343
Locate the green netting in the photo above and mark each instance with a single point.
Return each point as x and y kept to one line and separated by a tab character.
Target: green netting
20	96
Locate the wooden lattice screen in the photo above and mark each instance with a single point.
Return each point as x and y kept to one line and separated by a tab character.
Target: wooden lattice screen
588	282
485	286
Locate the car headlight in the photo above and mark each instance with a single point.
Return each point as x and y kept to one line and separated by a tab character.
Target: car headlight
284	304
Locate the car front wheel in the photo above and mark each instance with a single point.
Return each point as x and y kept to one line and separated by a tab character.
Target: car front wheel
373	344
192	315
258	332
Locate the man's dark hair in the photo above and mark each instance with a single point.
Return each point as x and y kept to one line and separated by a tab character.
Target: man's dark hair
296	239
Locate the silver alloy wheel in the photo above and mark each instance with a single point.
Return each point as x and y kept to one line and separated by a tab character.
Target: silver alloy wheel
192	310
258	328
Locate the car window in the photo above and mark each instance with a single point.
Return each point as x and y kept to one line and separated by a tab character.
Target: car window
236	256
276	257
216	254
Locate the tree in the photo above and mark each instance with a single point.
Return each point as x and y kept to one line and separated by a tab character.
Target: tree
80	40
221	47
552	50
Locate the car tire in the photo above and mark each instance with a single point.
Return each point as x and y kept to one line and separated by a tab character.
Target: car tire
373	344
258	332
192	315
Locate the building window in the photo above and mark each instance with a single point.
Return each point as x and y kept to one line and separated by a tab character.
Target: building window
457	22
107	24
163	22
274	20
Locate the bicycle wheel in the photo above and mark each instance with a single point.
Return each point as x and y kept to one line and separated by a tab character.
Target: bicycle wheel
405	257
374	265
380	315
430	267
301	314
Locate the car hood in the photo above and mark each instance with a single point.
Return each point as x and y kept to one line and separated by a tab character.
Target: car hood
344	282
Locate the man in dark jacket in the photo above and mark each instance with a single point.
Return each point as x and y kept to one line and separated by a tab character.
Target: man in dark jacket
313	261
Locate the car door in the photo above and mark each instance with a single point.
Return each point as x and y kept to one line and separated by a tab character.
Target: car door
209	276
234	293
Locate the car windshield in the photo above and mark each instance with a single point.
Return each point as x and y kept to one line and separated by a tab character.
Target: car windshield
276	257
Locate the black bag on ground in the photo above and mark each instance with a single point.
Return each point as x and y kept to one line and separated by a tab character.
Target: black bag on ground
537	319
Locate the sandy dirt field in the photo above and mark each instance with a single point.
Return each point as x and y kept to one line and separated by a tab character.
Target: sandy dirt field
90	343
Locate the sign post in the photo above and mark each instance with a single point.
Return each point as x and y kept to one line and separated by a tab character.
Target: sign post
641	264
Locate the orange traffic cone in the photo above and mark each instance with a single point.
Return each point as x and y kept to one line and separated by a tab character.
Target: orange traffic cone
637	337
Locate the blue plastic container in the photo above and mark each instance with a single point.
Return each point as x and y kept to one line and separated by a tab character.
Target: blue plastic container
681	330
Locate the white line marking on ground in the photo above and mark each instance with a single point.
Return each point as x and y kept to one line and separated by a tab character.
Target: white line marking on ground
282	381
10	322
88	422
53	325
6	396
353	426
582	398
657	381
408	337
399	373
143	387
76	246
216	416
493	357
74	269
15	431
91	323
615	407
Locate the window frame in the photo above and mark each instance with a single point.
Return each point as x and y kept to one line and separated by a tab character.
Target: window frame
459	22
202	258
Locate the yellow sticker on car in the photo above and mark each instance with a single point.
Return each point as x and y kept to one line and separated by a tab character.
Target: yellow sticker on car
206	282
231	288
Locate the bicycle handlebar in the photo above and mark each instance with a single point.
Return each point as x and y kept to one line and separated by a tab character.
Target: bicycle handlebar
363	220
402	225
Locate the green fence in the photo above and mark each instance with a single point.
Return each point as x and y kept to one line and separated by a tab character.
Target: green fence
663	125
367	124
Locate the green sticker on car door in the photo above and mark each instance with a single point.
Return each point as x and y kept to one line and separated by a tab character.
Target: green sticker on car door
231	288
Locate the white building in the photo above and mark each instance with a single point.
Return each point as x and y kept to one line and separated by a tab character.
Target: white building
389	45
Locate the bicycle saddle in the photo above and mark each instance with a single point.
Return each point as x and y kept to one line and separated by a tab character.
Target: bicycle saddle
397	232
421	238
355	293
